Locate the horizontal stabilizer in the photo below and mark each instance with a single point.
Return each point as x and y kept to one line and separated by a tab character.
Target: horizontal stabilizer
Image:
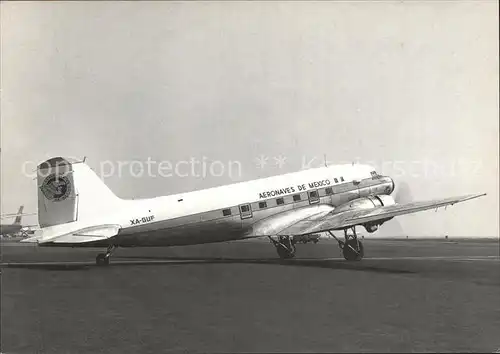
88	234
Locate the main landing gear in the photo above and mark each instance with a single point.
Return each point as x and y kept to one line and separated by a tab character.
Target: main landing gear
103	258
352	248
285	246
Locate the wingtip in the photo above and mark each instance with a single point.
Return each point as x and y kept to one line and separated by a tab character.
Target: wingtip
474	196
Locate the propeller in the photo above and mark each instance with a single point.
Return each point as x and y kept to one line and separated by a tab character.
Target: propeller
402	193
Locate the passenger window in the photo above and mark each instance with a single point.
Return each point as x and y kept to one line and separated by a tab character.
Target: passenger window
262	205
280	201
226	212
296	197
329	191
244	208
313	194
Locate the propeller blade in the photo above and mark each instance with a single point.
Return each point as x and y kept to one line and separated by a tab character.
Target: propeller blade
403	194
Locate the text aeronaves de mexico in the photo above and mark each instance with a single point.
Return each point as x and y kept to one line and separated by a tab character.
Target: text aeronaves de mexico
292	189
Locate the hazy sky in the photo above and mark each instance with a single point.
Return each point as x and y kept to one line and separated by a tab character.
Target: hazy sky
411	87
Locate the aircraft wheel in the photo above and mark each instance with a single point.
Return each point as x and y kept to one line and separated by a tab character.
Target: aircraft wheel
284	253
101	259
351	255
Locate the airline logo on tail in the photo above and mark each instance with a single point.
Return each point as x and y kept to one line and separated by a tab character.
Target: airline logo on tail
56	187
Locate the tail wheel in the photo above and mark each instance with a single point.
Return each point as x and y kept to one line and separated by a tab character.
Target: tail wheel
353	250
285	253
102	259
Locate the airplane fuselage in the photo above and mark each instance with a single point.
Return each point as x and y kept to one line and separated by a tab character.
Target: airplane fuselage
10	229
241	210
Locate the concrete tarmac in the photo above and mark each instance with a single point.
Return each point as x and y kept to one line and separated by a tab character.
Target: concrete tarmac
404	296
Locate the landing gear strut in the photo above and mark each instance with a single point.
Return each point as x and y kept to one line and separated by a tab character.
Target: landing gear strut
352	248
285	246
103	258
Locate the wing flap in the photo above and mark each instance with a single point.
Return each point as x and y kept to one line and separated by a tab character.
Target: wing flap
350	218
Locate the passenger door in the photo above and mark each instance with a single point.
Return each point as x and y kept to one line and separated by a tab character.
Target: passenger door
245	211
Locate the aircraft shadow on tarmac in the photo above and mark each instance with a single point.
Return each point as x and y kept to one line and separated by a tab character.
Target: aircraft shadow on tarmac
337	264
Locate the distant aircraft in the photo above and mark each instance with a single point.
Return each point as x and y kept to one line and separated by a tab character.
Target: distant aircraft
76	209
15	227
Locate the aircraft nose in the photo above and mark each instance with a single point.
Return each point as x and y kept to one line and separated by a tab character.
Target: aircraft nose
393	185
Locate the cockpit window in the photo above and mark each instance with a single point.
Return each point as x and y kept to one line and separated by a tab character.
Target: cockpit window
374	174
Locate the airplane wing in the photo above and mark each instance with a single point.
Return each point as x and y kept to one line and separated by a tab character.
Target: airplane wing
343	220
8	216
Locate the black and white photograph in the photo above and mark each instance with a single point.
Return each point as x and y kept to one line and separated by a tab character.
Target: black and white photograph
249	176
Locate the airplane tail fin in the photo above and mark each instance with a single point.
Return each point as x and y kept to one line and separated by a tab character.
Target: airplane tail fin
69	190
19	216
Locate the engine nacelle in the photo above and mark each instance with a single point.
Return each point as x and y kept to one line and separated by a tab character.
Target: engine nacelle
368	203
371	227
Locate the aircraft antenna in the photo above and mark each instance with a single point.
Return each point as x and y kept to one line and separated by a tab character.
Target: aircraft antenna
325	160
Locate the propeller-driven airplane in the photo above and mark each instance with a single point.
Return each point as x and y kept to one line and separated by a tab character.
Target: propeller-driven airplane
76	209
16	227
